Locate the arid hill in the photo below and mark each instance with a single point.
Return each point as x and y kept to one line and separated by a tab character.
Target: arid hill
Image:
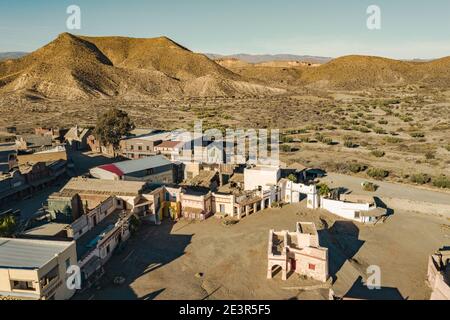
80	67
349	73
77	67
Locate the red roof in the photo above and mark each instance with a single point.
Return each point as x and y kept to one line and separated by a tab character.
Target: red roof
112	168
168	144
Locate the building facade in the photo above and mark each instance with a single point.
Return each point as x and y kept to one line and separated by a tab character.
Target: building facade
36	269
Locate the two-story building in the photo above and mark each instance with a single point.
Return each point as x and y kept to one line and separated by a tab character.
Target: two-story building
36	269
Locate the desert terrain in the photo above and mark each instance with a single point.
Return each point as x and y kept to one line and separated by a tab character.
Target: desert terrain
359	115
207	260
358	118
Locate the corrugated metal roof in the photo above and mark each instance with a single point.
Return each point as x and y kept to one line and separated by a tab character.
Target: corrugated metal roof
28	254
142	164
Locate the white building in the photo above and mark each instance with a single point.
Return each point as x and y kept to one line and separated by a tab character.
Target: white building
358	208
261	177
36	269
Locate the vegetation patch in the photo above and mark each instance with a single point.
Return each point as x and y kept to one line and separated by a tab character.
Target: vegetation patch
377	173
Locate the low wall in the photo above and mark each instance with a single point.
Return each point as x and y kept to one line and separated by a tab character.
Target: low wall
343	209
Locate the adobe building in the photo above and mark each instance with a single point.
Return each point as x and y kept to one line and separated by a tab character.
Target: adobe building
298	252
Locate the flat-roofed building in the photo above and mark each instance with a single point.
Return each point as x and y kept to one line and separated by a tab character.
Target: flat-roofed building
143	145
36	269
261	177
92	192
154	169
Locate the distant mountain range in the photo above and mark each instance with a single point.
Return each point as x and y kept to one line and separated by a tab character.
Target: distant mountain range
82	68
11	55
260	58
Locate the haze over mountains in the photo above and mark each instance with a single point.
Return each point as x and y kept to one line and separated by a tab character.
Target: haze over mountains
80	67
11	55
260	58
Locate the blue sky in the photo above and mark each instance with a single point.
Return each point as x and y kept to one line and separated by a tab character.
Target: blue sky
410	29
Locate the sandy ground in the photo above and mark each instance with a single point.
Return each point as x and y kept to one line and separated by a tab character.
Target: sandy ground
162	262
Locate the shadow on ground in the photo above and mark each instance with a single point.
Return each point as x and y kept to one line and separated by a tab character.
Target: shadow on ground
342	241
360	291
147	251
83	162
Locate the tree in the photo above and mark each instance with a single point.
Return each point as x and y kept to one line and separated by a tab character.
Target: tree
324	189
112	126
8	224
292	177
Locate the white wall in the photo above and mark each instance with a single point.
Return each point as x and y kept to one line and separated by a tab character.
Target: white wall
261	177
343	209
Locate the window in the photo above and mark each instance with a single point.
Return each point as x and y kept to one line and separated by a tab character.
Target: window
67	264
131	147
50	276
222	208
312	266
23	285
140	148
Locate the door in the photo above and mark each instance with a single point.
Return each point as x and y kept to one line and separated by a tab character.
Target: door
293	265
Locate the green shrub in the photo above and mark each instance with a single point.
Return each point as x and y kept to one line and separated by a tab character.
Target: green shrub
286	148
356	167
323	189
377	173
286	139
380	131
417	134
430	155
304	139
382	121
349	143
327	141
393	140
319	137
442	182
420	178
378	153
369	186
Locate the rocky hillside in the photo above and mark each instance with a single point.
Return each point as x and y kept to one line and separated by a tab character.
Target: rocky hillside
77	67
80	67
349	73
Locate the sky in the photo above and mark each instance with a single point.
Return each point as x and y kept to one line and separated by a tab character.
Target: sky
409	28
